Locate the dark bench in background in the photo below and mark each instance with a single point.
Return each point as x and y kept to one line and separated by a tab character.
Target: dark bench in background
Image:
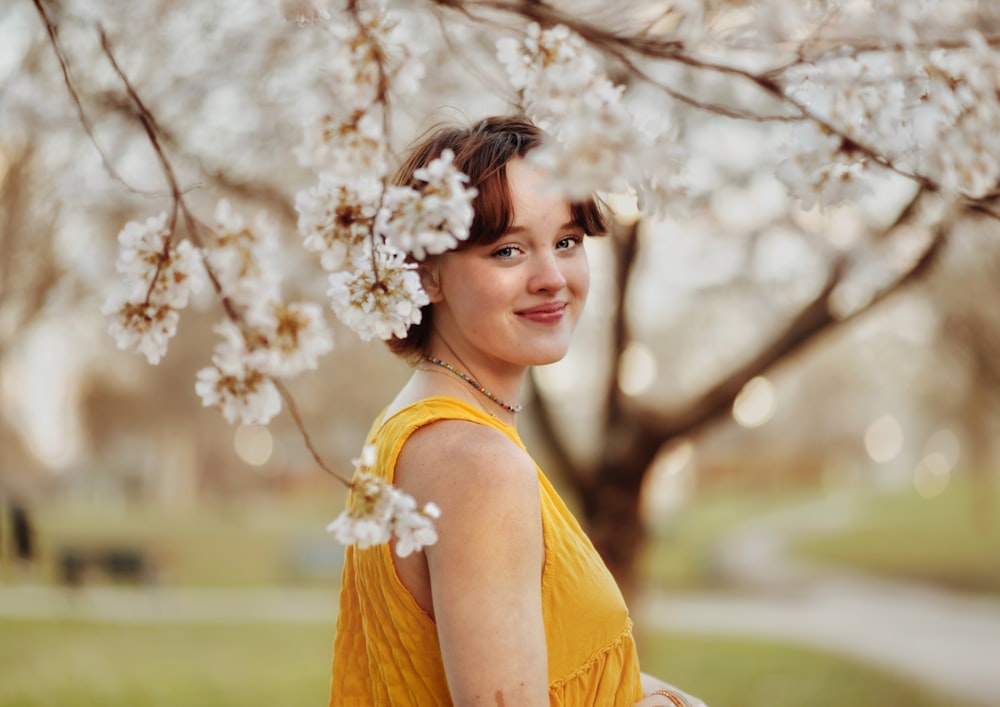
118	564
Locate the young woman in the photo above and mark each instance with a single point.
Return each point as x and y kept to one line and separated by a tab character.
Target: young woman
512	606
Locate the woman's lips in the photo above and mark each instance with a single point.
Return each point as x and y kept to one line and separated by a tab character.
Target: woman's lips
551	313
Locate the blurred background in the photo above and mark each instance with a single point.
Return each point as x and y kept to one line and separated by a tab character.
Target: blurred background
779	425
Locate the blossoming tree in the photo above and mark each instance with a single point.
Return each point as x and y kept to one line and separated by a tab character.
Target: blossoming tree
858	93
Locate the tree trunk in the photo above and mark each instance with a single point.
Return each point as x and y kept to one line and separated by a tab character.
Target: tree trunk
611	500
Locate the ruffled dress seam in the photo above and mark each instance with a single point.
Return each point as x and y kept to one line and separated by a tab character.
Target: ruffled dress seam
600	655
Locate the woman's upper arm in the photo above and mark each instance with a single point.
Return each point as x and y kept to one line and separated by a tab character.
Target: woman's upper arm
485	569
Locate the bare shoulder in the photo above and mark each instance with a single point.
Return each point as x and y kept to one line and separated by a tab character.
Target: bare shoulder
485	485
460	465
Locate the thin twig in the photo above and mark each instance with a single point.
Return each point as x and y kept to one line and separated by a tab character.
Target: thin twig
53	31
294	412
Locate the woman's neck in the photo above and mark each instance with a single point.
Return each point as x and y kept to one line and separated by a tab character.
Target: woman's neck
496	388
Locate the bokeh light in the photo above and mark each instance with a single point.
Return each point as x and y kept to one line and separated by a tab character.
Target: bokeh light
946	443
756	403
670	481
254	444
932	475
884	439
636	369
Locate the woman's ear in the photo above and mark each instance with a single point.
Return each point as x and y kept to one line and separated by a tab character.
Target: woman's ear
430	278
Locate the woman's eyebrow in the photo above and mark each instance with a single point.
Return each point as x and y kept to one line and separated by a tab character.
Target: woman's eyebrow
570	225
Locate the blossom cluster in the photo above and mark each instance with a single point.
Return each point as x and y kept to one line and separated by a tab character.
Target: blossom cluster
377	511
272	339
598	145
365	234
930	113
267	339
369	59
368	234
159	278
956	121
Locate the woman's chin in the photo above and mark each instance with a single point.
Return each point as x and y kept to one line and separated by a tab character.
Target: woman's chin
543	356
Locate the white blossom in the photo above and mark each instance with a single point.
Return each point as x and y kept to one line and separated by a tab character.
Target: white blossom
551	68
241	391
377	510
244	259
956	122
933	114
141	245
370	54
304	11
367	458
337	217
368	519
160	275
434	218
414	529
820	171
288	339
348	147
599	147
379	302
138	326
146	252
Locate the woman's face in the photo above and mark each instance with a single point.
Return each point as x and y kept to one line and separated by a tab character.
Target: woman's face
516	300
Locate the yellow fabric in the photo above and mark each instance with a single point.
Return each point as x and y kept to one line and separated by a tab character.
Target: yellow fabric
386	650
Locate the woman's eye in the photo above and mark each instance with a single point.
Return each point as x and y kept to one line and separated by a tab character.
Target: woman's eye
508	251
569	242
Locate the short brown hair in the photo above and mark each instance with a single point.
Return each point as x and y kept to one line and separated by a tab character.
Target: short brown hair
482	151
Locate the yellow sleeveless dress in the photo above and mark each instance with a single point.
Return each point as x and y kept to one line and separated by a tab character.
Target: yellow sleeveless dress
386	651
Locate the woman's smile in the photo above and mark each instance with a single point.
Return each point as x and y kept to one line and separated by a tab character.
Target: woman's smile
548	313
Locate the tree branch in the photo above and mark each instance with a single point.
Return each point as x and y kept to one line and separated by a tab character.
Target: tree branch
814	319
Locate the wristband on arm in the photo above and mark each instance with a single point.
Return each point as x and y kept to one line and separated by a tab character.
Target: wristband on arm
674	699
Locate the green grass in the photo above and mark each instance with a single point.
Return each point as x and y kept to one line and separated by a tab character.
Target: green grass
731	672
951	540
105	665
51	664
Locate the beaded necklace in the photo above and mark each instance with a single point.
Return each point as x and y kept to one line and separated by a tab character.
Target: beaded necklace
475	384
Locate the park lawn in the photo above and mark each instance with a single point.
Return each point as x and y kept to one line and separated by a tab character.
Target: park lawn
73	664
737	672
951	540
76	664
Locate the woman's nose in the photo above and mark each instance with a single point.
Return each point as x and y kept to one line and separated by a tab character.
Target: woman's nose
547	274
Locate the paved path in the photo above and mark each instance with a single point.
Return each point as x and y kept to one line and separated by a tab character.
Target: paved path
947	642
